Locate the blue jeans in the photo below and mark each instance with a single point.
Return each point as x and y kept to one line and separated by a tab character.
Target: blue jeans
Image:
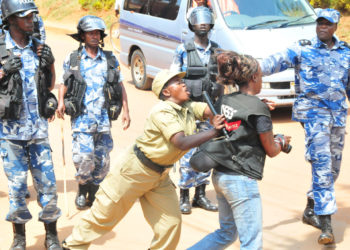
240	213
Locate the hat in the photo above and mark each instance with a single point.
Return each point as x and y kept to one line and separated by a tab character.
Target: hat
331	15
162	78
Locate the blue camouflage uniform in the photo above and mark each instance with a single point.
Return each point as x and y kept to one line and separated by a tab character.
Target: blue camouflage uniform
189	177
322	84
92	140
24	145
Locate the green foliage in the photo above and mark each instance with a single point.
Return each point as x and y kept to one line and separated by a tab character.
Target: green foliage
97	4
341	5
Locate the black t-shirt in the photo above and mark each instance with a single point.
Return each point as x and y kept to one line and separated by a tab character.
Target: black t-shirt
261	123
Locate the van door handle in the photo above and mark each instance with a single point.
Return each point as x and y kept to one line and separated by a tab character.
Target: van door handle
185	32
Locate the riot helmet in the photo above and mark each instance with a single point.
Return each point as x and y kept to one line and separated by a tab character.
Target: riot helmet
89	23
200	15
21	8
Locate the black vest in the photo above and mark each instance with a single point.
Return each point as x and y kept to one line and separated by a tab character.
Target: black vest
11	90
200	77
76	87
246	156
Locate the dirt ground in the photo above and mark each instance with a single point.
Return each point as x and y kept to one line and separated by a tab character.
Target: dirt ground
286	180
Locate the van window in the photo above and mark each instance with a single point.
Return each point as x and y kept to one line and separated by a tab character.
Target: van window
138	6
167	9
239	14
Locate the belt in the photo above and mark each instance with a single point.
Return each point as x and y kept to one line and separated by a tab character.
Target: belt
149	163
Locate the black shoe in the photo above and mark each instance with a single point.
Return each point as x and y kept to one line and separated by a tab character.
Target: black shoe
200	200
309	216
80	199
19	237
91	194
326	237
51	239
185	205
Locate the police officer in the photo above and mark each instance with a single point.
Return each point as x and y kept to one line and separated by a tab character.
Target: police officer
26	77
322	84
142	171
194	58
92	94
39	32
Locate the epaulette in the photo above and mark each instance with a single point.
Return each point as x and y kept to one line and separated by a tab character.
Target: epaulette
304	42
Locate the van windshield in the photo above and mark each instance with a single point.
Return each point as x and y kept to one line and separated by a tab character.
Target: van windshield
262	14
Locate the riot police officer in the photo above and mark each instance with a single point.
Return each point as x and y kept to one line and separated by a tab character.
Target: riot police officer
194	58
26	78
322	67
93	95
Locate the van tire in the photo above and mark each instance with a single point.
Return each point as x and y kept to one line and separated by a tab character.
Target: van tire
138	71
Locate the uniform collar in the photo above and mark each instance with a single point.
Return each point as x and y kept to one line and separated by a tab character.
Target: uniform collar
11	44
84	54
320	44
182	108
201	48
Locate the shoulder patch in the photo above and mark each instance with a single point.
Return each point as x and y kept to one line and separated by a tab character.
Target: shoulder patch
304	42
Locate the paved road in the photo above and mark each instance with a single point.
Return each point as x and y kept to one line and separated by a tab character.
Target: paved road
286	179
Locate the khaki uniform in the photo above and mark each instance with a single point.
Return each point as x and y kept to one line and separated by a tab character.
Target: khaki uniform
130	180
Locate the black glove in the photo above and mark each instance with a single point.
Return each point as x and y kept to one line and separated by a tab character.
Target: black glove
46	57
286	148
12	65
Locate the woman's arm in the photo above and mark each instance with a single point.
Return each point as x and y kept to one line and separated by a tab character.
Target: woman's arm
183	142
270	145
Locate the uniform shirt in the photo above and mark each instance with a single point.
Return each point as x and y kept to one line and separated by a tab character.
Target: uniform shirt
30	125
321	79
166	119
94	117
179	63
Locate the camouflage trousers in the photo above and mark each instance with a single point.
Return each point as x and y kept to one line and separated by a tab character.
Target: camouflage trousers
34	155
324	146
188	177
91	156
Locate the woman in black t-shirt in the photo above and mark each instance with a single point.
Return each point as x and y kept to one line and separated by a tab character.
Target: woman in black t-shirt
239	160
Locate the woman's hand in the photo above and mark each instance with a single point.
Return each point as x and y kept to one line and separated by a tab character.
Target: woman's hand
269	103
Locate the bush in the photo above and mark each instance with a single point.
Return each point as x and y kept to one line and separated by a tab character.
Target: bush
341	5
97	4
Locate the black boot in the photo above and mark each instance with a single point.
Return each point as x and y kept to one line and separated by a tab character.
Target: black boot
309	216
19	237
80	199
185	205
200	200
326	236
51	239
91	193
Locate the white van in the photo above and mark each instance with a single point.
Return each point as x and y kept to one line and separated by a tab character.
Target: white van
150	31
